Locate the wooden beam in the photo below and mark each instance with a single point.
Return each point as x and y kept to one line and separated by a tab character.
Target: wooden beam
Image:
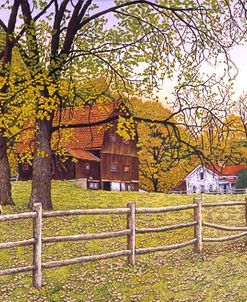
223	227
37	248
164	248
131	239
223	204
86	212
103	235
7	245
165	209
198	226
17	270
166	228
85	259
10	217
227	238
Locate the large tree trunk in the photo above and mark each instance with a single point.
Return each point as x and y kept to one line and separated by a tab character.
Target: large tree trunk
41	180
5	185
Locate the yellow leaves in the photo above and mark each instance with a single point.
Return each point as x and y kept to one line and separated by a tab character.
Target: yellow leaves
13	163
62	139
42	153
126	128
153	170
3	81
26	157
2	122
63	155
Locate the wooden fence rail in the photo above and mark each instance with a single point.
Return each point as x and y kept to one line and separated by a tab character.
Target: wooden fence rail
130	233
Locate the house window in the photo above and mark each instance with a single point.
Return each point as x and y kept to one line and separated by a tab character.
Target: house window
126	168
24	166
194	189
201	175
114	168
87	166
210	188
202	188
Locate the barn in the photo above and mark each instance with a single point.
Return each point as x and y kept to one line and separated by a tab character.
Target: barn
95	155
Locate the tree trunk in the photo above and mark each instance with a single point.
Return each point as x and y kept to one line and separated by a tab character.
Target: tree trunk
155	184
5	185
41	180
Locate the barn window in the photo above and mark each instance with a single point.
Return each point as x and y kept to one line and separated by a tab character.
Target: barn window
126	168
87	166
24	166
93	185
113	137
114	168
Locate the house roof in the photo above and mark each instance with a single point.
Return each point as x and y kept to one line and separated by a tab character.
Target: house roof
210	169
181	187
87	137
232	170
84	155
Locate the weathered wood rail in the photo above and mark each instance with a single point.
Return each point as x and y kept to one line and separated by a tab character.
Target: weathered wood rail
130	233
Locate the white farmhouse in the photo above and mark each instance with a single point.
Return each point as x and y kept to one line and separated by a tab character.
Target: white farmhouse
213	179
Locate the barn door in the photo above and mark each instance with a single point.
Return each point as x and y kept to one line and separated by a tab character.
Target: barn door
115	186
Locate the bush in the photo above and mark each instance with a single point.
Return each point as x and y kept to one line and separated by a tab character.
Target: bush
242	180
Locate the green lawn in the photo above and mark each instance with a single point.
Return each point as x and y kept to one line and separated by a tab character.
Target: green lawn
218	274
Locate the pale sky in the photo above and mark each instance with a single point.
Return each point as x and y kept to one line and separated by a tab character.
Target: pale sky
239	56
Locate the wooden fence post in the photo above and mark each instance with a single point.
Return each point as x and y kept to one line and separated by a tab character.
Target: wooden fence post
37	247
131	238
246	214
198	226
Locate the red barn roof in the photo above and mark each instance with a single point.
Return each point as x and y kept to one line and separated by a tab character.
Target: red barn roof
82	154
84	138
90	137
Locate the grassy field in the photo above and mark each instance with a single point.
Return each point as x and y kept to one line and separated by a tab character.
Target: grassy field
218	274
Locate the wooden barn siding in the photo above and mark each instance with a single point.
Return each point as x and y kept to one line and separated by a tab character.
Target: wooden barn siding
107	160
81	172
24	174
116	151
118	146
59	170
63	170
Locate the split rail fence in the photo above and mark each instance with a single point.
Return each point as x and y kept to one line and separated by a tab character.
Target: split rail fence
130	232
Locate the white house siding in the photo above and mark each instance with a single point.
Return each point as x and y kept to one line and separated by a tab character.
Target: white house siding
202	180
